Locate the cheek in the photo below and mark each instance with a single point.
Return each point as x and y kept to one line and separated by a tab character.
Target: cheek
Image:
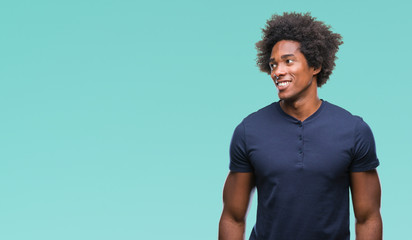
272	75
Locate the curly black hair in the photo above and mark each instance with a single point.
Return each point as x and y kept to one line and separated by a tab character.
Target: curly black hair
317	42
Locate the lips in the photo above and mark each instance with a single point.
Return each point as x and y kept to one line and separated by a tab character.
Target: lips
283	84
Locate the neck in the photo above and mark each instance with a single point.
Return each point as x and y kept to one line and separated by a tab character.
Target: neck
301	108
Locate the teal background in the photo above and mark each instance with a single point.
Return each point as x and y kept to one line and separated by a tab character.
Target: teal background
116	116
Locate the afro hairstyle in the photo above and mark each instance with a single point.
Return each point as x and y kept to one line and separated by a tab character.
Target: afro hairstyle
317	42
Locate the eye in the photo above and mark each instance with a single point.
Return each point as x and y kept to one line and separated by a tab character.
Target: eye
272	66
288	61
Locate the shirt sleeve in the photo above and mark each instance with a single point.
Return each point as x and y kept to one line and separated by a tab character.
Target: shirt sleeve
239	161
364	149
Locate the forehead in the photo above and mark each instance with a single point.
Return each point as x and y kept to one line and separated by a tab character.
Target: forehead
286	47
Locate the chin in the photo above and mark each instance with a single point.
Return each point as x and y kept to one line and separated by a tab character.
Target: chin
286	98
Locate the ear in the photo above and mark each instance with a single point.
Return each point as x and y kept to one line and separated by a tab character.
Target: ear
316	70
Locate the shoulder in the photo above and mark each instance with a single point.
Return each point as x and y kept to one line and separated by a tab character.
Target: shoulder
346	121
341	115
260	115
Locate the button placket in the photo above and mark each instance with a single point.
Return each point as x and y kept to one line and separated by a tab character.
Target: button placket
300	137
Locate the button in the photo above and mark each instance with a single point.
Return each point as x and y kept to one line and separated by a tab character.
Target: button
300	137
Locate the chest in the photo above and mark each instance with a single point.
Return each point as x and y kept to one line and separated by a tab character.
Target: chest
320	150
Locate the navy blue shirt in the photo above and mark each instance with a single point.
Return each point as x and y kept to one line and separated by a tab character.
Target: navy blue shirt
302	169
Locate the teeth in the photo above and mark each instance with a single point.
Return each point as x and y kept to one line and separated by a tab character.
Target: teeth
282	84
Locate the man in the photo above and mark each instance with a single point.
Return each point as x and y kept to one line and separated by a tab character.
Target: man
301	153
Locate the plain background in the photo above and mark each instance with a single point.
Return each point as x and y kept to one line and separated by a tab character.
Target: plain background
116	116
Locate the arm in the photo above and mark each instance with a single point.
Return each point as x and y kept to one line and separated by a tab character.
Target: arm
236	197
366	198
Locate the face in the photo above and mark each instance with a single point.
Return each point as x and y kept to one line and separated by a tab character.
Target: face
295	79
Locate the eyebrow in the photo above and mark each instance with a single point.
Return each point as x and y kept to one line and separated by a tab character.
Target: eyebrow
282	57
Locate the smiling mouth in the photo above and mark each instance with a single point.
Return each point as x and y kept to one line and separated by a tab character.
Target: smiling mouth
283	83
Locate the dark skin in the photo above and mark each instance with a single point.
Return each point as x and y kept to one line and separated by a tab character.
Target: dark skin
236	197
299	98
297	89
366	199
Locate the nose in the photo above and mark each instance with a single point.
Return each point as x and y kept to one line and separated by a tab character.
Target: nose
278	72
